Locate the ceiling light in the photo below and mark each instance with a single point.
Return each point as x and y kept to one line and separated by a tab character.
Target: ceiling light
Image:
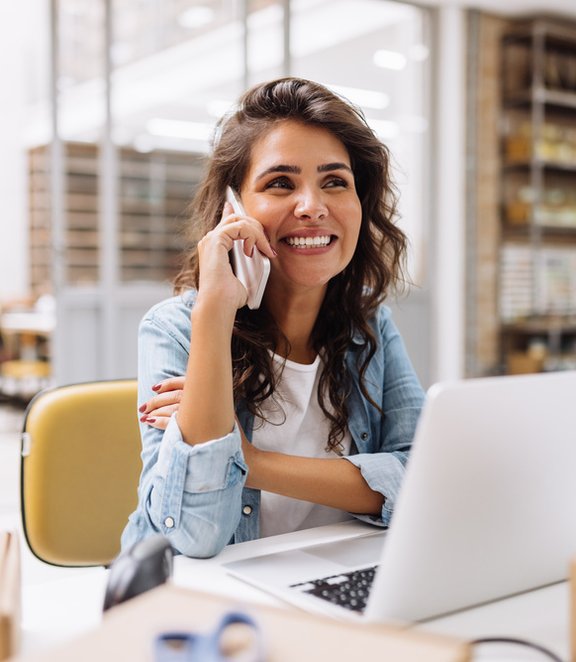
389	60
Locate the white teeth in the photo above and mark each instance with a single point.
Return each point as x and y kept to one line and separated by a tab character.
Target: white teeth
308	242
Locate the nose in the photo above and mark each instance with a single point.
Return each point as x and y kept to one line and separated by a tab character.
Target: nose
310	206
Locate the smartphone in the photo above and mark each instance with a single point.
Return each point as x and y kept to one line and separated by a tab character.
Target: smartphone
253	271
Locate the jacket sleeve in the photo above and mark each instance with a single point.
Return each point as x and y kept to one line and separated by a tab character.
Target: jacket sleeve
190	494
392	382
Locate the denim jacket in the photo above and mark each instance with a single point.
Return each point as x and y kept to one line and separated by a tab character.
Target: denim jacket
196	495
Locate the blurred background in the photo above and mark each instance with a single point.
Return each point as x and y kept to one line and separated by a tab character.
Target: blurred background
107	114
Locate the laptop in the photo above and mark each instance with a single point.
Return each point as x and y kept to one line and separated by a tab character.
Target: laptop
487	510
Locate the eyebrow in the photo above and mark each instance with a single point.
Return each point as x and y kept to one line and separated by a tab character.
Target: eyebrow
325	167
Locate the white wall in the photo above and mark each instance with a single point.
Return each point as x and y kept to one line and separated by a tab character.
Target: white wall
449	164
13	201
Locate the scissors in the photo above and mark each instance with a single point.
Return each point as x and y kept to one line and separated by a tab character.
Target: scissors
194	647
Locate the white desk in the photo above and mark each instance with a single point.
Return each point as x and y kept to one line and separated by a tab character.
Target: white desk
57	610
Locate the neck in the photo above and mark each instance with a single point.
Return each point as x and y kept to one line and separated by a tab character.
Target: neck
296	316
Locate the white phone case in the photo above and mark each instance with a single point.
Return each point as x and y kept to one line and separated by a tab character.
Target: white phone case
253	271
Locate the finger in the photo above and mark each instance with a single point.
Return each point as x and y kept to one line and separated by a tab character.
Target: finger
264	246
169	384
158	422
253	234
160	411
227	210
161	400
249	244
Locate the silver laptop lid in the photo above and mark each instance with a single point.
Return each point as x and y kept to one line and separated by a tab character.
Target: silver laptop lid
488	506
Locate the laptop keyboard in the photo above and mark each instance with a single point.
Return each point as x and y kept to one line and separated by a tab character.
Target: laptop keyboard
349	590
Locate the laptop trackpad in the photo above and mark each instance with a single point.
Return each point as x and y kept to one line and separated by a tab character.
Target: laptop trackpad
308	563
363	551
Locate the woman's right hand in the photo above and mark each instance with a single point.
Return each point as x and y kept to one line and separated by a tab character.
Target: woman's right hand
217	280
157	411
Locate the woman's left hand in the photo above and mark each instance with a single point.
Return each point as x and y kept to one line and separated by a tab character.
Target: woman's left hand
157	411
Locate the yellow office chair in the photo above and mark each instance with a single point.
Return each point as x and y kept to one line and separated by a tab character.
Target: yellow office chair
79	471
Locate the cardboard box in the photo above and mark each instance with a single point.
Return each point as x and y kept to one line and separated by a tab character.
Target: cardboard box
128	632
10	594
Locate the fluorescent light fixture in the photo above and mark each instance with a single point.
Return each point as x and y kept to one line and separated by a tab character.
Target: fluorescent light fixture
179	129
196	17
389	60
363	98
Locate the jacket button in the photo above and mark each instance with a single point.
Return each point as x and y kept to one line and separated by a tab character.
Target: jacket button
169	523
247	510
364	436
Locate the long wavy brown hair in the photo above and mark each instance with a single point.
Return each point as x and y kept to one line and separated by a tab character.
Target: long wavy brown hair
353	295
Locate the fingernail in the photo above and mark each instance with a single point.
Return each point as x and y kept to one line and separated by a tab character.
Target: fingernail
252	252
156	387
143	419
272	249
150	420
142	408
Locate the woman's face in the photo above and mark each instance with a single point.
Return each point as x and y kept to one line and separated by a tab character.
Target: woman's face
300	186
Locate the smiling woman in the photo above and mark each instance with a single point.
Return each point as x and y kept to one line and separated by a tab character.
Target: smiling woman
300	186
302	412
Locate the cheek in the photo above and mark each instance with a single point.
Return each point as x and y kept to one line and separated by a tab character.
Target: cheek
354	222
269	215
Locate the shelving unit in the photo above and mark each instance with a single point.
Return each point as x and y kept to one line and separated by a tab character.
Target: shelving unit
153	192
537	283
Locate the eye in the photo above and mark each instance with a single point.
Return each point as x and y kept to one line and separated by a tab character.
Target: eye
280	182
336	182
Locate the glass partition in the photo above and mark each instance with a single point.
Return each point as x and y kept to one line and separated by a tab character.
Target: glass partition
376	54
139	86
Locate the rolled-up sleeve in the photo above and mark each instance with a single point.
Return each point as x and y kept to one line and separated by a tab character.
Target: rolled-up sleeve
195	491
190	494
384	473
393	383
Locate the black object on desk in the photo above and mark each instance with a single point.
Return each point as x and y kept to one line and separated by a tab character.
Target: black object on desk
145	565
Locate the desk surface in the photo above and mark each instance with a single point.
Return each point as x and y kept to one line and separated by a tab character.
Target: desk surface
60	609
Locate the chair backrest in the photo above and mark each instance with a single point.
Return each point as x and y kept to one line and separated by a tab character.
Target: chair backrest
79	471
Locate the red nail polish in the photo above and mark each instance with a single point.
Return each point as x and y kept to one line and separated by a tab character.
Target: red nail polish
142	408
150	420
156	387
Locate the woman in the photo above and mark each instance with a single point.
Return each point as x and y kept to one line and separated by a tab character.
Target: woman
301	412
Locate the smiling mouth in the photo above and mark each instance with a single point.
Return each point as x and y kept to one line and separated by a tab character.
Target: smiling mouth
309	242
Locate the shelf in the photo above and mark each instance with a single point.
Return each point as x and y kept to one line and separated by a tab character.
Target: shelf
523	231
559	98
154	191
544	164
536	281
541	326
561	32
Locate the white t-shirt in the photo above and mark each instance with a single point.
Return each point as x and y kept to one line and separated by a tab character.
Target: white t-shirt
296	427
